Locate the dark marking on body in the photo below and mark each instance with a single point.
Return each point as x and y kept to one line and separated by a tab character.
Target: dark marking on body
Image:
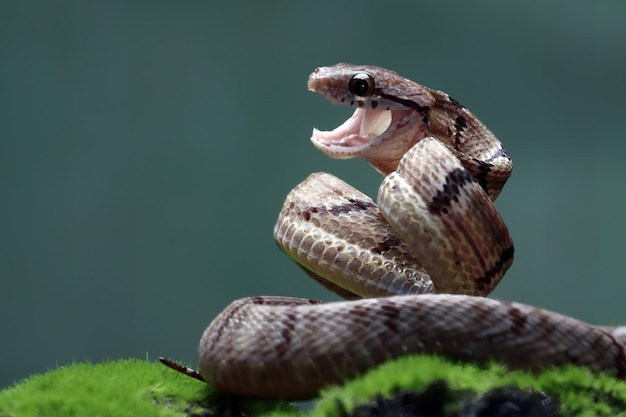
287	332
500	153
257	300
374	104
406	103
486	280
353	204
386	244
358	311
460	124
392	315
599	348
518	320
455	103
360	204
482	173
231	312
455	180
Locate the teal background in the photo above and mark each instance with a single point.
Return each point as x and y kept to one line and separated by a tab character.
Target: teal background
146	149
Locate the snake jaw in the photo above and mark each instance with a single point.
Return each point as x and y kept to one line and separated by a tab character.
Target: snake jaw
353	136
381	137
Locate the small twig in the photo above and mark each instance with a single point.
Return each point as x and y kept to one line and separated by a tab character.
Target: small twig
182	369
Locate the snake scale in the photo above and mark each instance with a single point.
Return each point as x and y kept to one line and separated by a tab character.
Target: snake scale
414	267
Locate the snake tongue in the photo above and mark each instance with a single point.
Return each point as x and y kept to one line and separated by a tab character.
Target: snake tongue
354	135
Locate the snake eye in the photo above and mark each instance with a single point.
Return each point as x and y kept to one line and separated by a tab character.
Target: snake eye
361	85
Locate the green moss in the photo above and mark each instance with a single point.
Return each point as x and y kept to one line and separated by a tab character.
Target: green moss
139	388
120	388
576	391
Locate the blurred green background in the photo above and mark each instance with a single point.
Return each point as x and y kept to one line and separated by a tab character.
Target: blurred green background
146	149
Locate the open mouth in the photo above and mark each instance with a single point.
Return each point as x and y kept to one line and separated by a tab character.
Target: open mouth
364	129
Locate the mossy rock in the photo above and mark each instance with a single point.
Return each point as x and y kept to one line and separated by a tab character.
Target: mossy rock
419	385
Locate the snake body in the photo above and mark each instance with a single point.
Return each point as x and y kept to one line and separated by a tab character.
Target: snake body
427	252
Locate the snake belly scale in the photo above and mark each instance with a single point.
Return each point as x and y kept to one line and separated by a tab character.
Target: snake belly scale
414	267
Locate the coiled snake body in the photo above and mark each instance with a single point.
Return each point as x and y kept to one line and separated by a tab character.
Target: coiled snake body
428	252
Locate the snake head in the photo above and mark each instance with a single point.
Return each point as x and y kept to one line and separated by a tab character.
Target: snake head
391	113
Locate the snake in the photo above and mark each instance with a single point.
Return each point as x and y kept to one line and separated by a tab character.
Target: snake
414	267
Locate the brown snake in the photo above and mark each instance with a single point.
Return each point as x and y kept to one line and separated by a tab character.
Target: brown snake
435	231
